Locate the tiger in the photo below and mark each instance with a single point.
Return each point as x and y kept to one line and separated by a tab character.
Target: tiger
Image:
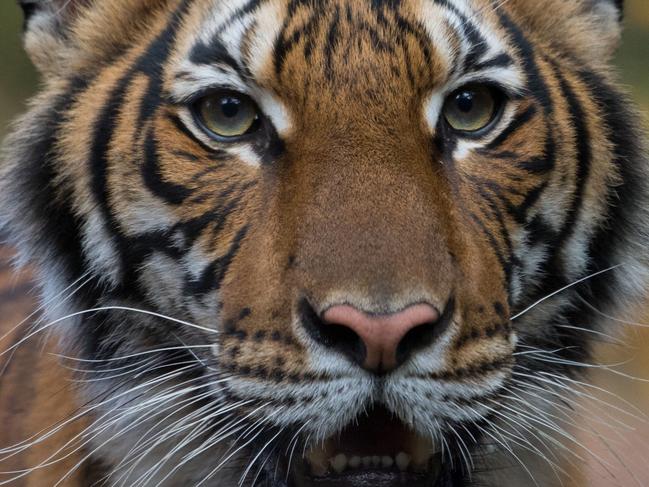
300	243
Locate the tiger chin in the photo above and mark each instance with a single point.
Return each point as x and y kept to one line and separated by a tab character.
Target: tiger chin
336	243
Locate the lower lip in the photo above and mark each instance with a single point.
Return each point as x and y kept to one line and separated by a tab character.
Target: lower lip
370	479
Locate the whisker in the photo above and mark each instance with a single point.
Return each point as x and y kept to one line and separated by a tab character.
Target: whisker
39	309
509	449
256	457
114	420
581	393
134	355
143	448
563	289
526	444
40	438
294	442
612	318
107	308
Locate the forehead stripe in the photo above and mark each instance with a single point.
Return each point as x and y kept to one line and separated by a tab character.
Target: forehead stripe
503	60
537	85
388	21
214	53
239	14
478	46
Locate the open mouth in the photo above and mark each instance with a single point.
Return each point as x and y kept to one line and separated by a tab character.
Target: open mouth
377	450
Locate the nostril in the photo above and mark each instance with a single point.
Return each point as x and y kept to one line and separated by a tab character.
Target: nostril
424	335
416	339
331	335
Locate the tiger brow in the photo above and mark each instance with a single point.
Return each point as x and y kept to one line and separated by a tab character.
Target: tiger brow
214	52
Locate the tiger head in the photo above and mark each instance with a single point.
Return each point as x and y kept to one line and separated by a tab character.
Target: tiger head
326	242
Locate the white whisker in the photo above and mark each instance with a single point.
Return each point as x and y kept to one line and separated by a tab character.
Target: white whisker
563	289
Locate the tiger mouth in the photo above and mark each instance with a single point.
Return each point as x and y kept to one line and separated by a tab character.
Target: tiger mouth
376	450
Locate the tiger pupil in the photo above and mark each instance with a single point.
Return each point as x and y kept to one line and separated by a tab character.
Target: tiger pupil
465	102
230	107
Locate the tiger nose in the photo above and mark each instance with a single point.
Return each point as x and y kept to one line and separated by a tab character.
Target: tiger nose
380	343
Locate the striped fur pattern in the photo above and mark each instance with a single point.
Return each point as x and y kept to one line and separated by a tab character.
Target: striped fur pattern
189	257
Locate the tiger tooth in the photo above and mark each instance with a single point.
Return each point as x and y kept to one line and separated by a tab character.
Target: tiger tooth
403	461
387	462
367	462
317	460
354	462
422	451
376	460
339	463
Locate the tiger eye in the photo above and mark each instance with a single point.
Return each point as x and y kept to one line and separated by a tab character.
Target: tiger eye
471	108
228	115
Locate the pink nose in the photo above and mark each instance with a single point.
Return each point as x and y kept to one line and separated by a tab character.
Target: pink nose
382	335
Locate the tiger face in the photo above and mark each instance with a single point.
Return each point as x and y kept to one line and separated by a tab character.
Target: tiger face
327	243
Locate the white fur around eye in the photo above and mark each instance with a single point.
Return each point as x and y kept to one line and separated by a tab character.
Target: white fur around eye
276	112
246	155
433	109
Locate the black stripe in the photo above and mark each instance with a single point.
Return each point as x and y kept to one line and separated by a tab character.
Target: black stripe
332	42
584	155
518	122
378	42
491	191
479	45
163	241
497	189
620	6
239	14
285	44
536	84
418	32
181	154
532	197
182	128
500	61
543	233
38	180
213	275
218	216
172	193
29	7
536	165
213	52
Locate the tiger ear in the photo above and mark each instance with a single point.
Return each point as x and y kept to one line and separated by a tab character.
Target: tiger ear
597	23
58	11
590	29
47	30
612	10
607	18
